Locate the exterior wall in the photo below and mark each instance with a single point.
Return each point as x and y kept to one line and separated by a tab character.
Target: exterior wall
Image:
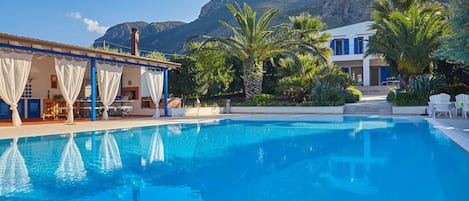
350	54
42	67
131	77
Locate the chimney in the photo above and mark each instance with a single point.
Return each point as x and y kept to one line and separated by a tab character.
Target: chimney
134	45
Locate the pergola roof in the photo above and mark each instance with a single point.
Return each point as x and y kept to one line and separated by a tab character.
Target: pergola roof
20	42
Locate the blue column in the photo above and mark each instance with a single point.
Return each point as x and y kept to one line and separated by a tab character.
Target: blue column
93	89
165	88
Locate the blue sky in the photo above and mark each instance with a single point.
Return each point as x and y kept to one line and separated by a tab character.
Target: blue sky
79	22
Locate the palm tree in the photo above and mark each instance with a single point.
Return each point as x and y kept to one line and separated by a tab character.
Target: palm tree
255	41
407	38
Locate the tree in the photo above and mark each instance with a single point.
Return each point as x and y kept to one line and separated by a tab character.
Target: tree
455	47
254	41
407	38
181	80
310	28
298	79
156	55
212	74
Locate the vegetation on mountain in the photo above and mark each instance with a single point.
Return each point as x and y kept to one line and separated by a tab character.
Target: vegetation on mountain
169	37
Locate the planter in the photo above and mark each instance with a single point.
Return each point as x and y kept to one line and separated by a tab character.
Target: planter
288	110
203	111
409	110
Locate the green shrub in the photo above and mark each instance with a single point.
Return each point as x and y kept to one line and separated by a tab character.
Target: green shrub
325	94
425	85
391	98
408	99
352	95
262	99
294	88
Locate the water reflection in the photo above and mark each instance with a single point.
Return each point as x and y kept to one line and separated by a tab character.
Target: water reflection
71	166
109	154
175	129
350	173
14	176
156	149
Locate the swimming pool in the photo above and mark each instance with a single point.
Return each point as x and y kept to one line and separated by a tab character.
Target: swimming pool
344	158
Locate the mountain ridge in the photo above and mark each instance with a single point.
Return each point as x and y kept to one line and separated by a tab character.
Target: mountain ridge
169	37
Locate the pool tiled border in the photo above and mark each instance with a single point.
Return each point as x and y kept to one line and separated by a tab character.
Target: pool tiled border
455	129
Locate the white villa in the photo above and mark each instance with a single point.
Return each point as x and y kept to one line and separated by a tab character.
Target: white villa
66	81
349	45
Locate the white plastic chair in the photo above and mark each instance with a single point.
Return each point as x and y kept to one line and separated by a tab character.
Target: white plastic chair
465	105
442	104
461	99
433	99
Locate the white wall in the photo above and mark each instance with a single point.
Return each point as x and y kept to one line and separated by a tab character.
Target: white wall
42	67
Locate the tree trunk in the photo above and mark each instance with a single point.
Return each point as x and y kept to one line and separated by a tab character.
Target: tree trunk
253	77
404	81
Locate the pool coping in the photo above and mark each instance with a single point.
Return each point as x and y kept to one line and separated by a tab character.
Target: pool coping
455	129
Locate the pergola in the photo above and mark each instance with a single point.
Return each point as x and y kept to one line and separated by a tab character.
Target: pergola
57	50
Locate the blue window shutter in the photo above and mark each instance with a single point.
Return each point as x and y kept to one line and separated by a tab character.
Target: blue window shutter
355	46
346	46
333	47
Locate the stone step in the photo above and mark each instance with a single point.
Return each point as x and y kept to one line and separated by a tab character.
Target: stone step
379	108
374	90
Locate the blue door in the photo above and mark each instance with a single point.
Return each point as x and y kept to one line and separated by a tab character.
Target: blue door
5	112
385	73
34	108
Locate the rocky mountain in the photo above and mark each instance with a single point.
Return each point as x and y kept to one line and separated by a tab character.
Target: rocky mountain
169	37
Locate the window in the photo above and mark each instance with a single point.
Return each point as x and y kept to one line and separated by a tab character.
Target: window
340	46
358	45
53	81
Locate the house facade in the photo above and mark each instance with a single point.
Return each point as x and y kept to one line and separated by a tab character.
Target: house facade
349	46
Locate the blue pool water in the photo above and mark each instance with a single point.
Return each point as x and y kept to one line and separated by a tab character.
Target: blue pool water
346	158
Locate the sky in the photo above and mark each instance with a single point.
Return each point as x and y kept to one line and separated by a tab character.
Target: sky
80	22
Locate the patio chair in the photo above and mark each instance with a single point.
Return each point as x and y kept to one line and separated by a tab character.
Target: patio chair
433	99
465	105
440	103
461	99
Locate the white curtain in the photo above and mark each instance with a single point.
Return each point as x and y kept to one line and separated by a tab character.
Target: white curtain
14	176
71	166
109	154
156	150
70	75
109	77
14	71
155	86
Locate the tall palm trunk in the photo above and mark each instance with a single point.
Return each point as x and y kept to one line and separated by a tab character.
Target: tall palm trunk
253	78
